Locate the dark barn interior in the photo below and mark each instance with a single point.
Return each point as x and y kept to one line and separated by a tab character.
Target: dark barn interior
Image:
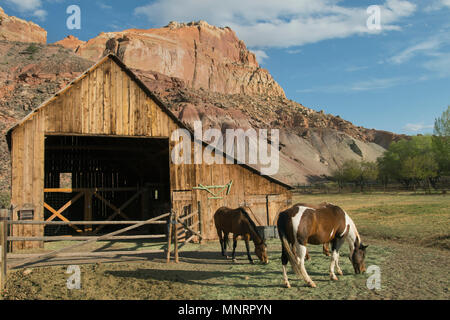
108	173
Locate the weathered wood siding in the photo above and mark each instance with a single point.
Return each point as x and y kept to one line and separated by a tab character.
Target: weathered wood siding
107	101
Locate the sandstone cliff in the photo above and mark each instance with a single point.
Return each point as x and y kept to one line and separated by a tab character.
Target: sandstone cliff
15	29
203	56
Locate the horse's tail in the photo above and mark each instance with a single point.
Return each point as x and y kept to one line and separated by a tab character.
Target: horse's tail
281	225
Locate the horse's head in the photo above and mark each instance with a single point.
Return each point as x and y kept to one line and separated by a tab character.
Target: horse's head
357	258
261	252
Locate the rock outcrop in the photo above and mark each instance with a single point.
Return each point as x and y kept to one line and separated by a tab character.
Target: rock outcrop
203	56
15	29
71	42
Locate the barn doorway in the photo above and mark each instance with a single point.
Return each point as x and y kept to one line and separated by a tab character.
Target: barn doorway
105	178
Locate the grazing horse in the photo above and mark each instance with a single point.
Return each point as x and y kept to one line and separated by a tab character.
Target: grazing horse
301	225
238	222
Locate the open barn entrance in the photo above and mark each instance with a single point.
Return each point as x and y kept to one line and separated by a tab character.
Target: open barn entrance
94	178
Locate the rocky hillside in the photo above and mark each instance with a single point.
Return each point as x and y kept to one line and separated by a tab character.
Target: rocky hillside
312	143
202	73
15	29
30	74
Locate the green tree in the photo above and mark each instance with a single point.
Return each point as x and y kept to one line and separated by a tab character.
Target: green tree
441	142
357	172
410	162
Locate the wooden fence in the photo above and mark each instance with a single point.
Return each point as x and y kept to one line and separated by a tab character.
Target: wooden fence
179	233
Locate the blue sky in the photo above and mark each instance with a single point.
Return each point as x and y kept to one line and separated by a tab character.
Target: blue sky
322	52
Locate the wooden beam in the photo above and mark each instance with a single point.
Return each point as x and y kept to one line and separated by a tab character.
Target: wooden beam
78	238
3	251
117	210
64	207
93	239
63	223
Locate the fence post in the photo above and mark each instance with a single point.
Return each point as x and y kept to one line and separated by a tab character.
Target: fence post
175	234
169	236
3	251
199	206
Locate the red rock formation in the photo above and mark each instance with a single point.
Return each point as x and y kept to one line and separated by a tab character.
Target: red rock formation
71	42
203	56
15	29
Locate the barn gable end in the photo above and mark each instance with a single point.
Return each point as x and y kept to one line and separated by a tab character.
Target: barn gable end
107	101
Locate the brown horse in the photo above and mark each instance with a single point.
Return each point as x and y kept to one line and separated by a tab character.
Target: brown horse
301	225
238	222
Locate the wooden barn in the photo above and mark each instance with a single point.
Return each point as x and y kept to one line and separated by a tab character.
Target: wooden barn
100	150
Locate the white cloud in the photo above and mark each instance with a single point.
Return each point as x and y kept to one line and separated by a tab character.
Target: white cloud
29	7
104	6
416	127
364	85
40	14
425	47
437	5
440	65
25	5
294	51
260	56
274	23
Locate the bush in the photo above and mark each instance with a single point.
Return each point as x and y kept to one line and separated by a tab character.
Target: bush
5	200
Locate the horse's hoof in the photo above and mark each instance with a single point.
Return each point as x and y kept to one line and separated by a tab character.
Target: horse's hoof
287	285
234	260
340	273
251	262
312	285
333	277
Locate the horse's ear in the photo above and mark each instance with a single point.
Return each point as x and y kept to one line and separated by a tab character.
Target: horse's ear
363	247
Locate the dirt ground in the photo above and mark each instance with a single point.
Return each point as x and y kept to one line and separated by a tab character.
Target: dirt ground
409	267
407	272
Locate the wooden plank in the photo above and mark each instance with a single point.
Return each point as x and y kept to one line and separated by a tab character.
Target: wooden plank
37	175
125	103
119	108
19	141
81	222
81	238
107	97
28	172
133	105
3	252
83	105
86	254
94	102
94	239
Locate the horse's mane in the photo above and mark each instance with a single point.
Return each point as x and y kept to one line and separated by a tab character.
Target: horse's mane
251	222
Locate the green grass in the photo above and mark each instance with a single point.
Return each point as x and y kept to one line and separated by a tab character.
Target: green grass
406	217
407	236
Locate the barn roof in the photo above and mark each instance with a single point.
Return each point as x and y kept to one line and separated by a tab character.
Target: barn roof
141	84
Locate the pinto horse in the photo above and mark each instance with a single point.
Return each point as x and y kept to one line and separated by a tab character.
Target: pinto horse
300	225
238	222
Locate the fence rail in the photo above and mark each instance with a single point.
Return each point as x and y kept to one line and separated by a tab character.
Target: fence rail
173	222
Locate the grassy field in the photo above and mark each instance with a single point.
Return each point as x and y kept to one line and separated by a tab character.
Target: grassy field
407	236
